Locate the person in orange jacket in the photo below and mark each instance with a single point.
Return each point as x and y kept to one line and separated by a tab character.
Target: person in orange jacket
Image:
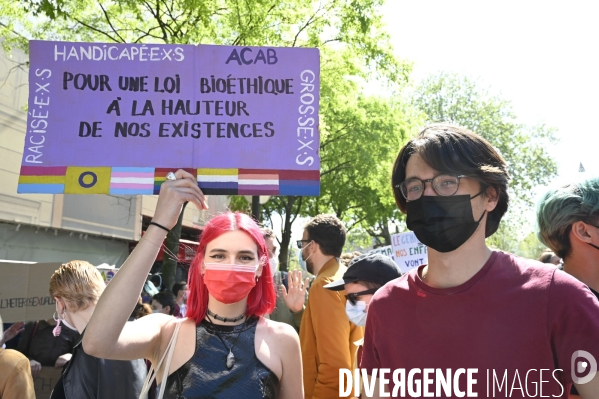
326	335
15	374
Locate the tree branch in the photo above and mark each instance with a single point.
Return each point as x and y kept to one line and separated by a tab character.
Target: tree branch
336	168
357	222
299	207
110	22
336	137
308	22
96	30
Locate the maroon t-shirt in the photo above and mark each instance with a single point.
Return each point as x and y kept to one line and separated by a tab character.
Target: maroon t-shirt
513	318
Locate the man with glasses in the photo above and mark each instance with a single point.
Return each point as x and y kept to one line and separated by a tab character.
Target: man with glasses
568	221
473	309
326	335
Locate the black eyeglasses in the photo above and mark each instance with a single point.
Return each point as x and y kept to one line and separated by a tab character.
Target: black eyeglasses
353	298
300	243
445	185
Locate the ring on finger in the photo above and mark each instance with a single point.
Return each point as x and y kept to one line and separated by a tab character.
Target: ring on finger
171	176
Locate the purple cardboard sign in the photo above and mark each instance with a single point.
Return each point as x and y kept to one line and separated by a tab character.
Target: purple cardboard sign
115	118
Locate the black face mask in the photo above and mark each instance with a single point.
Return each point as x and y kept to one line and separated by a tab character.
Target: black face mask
442	223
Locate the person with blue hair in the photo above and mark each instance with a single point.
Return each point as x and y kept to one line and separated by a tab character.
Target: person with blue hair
568	223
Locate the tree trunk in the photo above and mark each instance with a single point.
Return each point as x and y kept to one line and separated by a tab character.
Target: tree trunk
171	244
385	232
256	208
286	235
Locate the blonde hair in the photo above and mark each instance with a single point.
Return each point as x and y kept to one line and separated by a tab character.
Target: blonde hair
78	283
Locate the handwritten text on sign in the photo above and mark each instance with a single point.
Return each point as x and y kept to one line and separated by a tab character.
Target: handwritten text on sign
238	116
408	252
386	250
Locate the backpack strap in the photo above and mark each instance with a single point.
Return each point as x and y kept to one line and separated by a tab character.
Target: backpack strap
168	354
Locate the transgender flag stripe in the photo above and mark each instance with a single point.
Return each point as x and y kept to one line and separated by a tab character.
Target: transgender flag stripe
134	180
130	180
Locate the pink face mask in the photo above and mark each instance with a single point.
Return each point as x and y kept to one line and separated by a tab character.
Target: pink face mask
229	283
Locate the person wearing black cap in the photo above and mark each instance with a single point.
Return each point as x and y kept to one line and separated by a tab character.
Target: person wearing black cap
364	276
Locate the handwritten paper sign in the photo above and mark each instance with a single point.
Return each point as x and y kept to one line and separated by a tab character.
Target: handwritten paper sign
24	291
116	118
46	381
387	251
408	252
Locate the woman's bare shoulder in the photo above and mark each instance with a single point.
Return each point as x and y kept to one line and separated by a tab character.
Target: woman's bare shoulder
278	331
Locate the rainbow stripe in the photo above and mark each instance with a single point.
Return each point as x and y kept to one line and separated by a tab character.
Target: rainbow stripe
147	180
130	181
42	179
160	176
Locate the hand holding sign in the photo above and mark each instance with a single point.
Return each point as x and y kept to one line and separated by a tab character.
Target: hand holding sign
173	193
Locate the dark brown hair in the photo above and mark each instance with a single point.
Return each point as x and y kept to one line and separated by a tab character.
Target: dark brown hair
329	232
457	150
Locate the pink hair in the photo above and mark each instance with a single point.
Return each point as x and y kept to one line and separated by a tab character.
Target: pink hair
261	299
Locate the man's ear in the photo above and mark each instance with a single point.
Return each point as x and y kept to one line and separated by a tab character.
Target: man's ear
315	247
491	198
580	231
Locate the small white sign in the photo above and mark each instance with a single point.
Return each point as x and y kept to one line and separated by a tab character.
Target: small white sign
408	252
387	251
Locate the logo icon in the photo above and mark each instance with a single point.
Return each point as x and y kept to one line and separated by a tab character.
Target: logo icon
579	366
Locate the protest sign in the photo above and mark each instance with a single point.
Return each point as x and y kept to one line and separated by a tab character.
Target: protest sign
45	382
387	251
24	292
116	118
408	252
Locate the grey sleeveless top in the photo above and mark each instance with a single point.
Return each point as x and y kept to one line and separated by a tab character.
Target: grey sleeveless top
206	374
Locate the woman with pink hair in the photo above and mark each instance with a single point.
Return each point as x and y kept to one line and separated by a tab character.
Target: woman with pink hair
225	348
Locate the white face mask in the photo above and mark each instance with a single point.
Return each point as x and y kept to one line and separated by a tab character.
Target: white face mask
356	314
274	264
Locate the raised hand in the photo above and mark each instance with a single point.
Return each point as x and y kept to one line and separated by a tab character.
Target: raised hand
296	296
173	193
12	332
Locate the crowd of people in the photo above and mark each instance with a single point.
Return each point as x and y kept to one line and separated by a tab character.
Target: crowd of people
242	328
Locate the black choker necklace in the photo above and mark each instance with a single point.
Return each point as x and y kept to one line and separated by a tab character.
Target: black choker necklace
225	319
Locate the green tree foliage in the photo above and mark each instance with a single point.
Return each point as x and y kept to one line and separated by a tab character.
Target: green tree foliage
352	24
453	98
360	137
528	246
349	33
